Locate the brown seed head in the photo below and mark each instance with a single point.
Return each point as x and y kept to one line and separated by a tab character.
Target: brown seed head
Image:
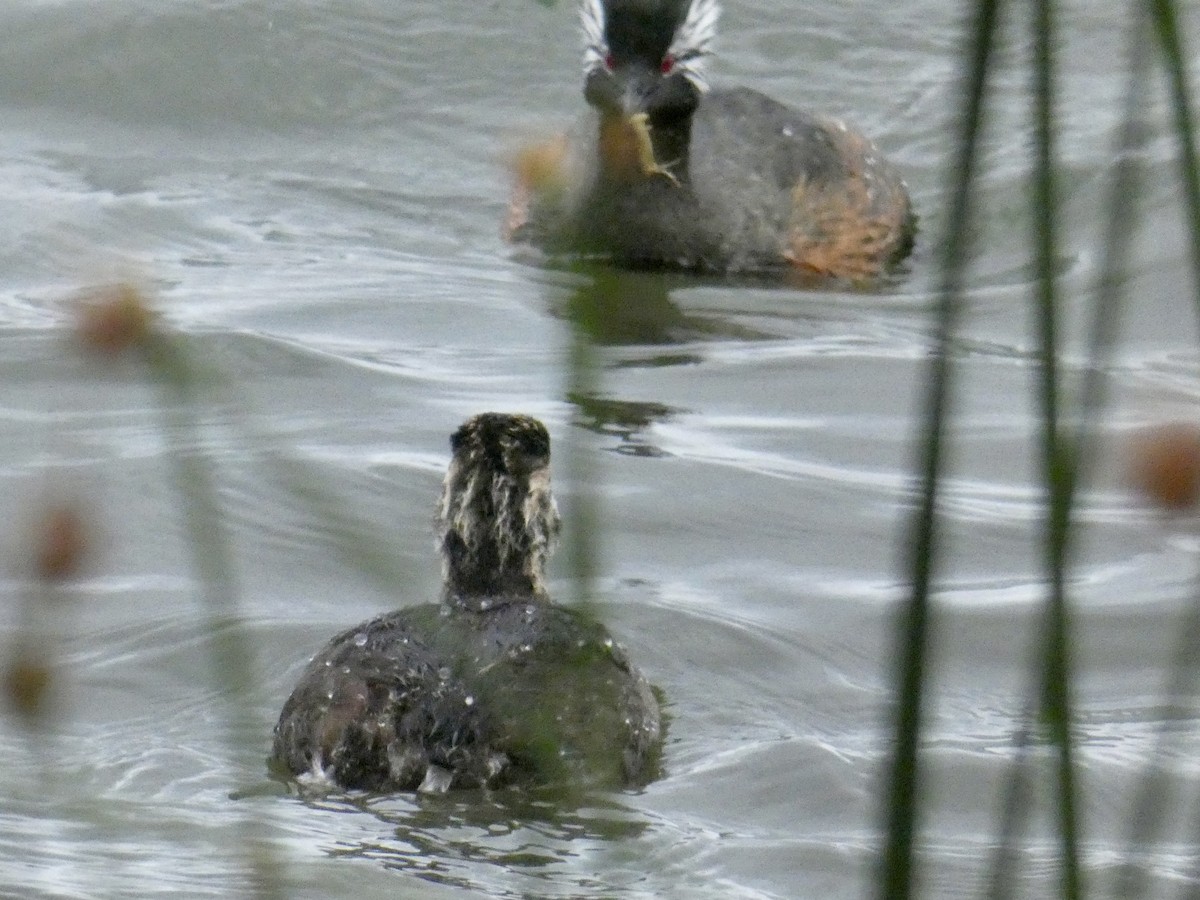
25	685
1165	465
539	166
114	318
61	542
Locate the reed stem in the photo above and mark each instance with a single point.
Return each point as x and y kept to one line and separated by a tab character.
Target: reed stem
897	879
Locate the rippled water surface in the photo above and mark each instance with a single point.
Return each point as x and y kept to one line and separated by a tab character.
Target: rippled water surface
314	192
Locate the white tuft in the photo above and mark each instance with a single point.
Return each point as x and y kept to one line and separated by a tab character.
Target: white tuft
496	763
316	780
437	780
595	47
694	40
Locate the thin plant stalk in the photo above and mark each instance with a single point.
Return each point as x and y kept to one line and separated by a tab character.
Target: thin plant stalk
1149	804
1103	330
1122	206
1152	795
1166	29
897	881
212	559
583	527
1059	464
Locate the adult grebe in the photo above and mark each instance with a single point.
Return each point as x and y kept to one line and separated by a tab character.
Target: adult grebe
495	684
665	173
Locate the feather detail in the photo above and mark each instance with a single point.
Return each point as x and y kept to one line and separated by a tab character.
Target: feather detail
694	40
595	47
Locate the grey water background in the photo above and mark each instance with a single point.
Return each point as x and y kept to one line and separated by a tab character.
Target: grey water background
314	193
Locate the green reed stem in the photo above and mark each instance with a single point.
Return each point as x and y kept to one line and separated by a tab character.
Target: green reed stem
1059	477
1059	462
1152	797
212	559
211	554
583	368
899	866
1165	20
1147	815
1166	28
1122	206
1122	214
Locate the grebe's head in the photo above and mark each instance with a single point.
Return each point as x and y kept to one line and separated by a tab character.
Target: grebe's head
497	521
644	73
647	56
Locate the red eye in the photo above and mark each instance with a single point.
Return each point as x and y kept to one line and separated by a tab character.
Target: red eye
610	62
667	65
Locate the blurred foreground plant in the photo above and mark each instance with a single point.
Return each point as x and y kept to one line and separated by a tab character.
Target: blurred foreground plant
117	321
56	548
1066	451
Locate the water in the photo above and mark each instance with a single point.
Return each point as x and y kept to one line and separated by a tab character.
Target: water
314	194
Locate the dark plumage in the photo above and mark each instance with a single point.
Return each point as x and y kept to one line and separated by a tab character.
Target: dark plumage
495	684
664	172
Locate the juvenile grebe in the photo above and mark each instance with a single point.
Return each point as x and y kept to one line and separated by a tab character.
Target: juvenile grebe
496	683
665	173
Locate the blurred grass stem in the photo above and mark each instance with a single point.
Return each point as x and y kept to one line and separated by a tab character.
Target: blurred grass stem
583	365
212	559
1058	458
898	872
1166	28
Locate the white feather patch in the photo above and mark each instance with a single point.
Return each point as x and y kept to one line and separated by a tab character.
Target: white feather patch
694	41
595	47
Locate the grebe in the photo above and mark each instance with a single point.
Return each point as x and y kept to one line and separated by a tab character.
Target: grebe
495	684
664	172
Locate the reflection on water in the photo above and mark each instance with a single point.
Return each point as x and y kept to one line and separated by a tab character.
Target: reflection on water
615	307
538	836
624	419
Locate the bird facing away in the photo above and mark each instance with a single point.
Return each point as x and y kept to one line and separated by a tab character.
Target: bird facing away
664	171
495	684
